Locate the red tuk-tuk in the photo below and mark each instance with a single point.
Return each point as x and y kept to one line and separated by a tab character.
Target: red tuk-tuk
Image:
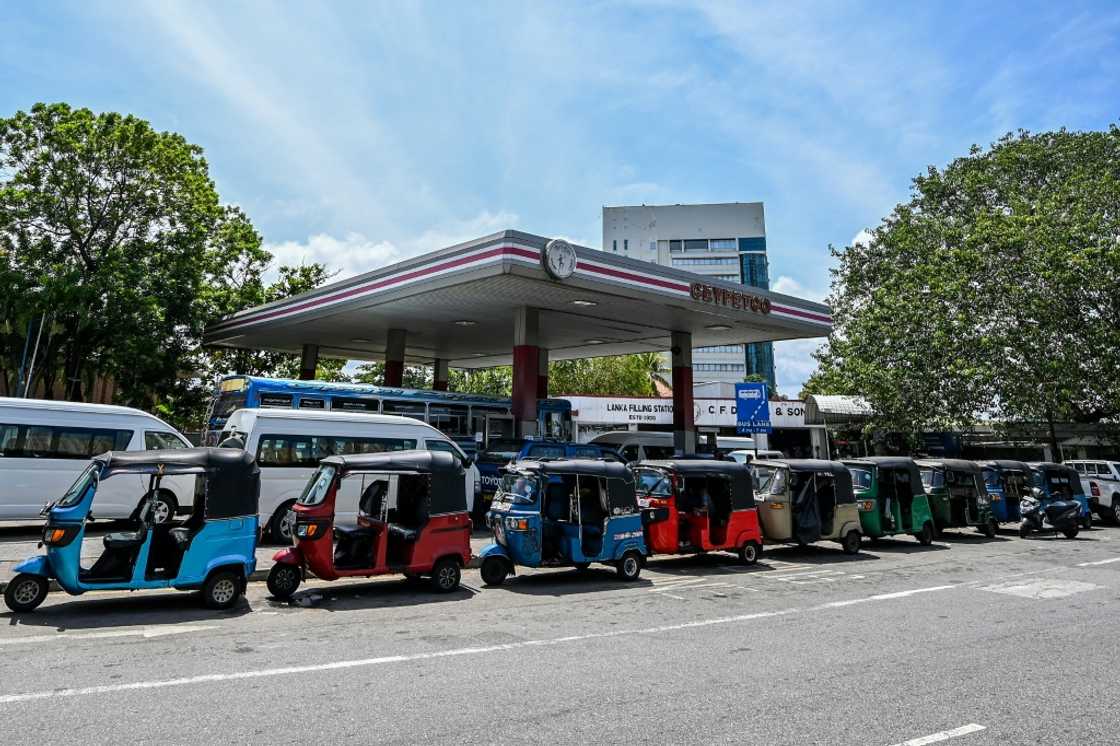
412	519
699	505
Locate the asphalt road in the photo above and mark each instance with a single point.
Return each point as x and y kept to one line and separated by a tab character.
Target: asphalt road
976	641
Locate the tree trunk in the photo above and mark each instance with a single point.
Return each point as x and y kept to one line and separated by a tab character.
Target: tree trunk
1055	449
72	374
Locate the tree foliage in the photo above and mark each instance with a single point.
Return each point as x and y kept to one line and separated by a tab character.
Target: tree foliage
995	291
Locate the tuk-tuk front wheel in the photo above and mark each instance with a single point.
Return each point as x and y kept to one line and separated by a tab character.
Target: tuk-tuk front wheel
990	528
925	536
851	543
630	566
222	589
750	552
25	592
494	571
446	575
283	580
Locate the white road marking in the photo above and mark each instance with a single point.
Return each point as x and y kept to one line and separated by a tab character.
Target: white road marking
1041	589
1099	562
453	653
147	632
944	735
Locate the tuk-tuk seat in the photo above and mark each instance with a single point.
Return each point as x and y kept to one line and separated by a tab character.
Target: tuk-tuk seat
126	539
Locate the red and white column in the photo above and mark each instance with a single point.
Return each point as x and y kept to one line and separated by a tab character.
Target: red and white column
308	362
526	370
394	357
542	374
441	374
684	425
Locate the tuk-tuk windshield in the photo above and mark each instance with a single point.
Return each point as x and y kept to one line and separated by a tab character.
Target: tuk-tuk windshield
931	477
861	478
77	490
769	480
653	482
991	479
316	490
518	489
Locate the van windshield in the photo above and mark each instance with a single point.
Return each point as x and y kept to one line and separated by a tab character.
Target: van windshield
78	490
318	486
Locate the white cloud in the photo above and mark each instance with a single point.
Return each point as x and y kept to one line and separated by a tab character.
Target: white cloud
863	237
789	286
356	253
793	363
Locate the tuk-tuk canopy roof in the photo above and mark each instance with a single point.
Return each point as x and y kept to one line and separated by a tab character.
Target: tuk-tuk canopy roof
883	462
1004	464
589	467
697	466
421	462
954	464
807	464
232	477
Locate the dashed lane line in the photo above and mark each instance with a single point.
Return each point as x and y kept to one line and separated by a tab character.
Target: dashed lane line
943	735
147	632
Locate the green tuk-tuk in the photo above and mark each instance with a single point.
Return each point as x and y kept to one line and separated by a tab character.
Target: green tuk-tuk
957	495
890	498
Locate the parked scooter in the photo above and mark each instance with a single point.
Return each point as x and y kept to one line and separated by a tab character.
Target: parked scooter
1040	514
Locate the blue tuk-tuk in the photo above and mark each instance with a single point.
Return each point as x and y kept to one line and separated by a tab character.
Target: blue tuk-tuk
1007	482
213	549
565	513
1058	482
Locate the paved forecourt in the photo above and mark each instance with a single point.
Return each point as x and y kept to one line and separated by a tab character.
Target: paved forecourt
969	639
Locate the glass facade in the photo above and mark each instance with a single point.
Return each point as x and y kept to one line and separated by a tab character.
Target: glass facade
755	272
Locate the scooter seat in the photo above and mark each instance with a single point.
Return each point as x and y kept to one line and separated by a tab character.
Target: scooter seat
125	539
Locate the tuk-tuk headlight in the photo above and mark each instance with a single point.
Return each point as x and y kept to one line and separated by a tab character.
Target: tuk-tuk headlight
866	505
517	524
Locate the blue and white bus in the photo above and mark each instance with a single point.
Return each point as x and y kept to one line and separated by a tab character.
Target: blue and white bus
460	416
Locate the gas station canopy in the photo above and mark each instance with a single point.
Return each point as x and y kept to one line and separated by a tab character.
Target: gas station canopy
459	305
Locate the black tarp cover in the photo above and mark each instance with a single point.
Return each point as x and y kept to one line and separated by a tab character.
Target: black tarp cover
232	479
447	477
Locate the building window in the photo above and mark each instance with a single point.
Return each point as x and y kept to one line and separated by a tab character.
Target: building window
626	244
760	360
700	244
719	367
719	349
716	244
614	246
675	246
753	244
691	261
754	271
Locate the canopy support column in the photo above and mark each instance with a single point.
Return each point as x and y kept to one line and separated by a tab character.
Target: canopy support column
441	374
308	362
684	426
526	369
542	374
394	357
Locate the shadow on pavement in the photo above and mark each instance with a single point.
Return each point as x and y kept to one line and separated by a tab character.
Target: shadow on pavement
562	581
140	609
901	546
376	593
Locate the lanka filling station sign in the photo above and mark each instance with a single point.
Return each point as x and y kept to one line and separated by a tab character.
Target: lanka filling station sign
607	410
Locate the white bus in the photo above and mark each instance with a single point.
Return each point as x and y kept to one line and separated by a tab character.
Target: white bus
45	445
640	445
289	443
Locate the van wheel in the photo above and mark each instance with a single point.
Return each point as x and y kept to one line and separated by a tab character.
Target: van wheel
222	589
25	592
446	575
1116	510
164	506
925	536
750	552
282	524
851	542
630	566
283	580
494	571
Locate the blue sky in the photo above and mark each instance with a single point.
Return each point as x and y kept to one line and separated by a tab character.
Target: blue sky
359	133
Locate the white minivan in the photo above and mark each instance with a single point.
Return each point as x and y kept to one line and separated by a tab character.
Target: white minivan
640	445
45	445
288	444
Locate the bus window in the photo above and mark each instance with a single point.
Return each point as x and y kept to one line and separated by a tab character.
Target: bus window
305	403
501	422
276	401
347	404
452	419
404	408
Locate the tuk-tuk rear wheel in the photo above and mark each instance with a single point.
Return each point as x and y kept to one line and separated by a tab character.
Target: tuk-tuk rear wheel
1071	532
990	528
630	566
446	575
25	592
222	589
851	543
925	536
283	580
494	571
750	552
1087	521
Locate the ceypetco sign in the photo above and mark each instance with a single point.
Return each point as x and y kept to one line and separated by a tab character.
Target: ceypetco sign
605	410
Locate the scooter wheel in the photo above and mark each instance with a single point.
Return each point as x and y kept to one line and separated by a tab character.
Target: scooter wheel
494	571
25	592
283	580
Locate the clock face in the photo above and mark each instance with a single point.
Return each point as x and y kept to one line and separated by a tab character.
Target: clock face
559	259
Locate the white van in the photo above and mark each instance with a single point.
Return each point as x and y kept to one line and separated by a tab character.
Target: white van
639	445
45	445
289	443
746	456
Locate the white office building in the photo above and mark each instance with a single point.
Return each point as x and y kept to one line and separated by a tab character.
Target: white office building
726	241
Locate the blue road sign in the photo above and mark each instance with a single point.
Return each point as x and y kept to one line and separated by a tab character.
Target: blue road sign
752	408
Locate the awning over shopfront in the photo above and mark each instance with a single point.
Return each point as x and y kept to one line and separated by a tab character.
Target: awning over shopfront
829	410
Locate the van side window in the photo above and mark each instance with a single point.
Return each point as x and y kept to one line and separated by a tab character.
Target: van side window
630	452
305	451
441	446
44	441
157	441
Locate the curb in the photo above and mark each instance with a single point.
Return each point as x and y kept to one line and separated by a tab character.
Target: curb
258	576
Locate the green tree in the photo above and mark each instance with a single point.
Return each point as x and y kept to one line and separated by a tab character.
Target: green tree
992	292
621	375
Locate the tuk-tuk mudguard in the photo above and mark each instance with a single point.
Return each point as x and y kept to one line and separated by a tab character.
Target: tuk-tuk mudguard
289	556
497	550
37	565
